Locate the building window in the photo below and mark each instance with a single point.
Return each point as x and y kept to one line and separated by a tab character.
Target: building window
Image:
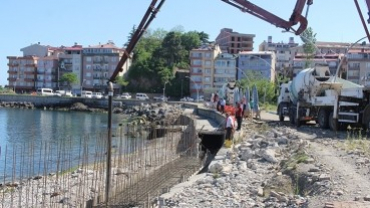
88	59
208	63
220	71
197	62
207	79
207	71
197	70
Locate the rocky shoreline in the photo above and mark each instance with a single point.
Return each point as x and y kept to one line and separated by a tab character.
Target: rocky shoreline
78	106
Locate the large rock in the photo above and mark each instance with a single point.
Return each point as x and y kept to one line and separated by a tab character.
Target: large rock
269	155
216	167
246	153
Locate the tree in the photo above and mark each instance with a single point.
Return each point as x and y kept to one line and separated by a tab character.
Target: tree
172	48
120	80
68	79
190	40
266	89
204	37
133	30
308	38
157	54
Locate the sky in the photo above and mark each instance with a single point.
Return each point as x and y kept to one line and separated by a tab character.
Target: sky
26	22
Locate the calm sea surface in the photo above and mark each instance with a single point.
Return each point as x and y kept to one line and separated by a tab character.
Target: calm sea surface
31	139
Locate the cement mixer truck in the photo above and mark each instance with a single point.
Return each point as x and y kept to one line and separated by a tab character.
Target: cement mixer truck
332	102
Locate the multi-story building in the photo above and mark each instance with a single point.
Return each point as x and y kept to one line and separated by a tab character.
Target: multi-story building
326	52
47	72
202	69
282	51
234	42
358	66
99	63
22	73
262	63
225	69
38	50
300	62
43	66
70	61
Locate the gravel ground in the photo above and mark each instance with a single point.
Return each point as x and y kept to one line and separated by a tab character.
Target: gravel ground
335	171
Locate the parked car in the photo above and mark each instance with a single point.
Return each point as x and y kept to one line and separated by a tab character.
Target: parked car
86	94
141	96
125	95
161	98
187	99
63	93
45	92
201	98
97	95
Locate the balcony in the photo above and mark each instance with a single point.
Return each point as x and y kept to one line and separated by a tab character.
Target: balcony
354	68
354	77
29	79
30	65
66	70
13	64
101	61
29	72
12	72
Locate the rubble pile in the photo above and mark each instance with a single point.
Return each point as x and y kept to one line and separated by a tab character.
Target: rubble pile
250	175
157	113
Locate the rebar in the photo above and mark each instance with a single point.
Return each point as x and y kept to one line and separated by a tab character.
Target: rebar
71	171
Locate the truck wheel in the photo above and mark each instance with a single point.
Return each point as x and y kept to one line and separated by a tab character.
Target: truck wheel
323	119
281	115
333	123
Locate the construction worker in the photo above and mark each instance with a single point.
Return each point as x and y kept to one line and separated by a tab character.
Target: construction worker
230	126
239	115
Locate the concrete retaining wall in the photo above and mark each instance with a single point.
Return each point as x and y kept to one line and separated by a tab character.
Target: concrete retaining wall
211	114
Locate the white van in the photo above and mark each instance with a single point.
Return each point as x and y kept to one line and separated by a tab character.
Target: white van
142	96
87	94
45	92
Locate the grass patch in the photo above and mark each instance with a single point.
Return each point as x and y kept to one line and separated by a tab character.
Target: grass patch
356	141
268	107
70	170
294	160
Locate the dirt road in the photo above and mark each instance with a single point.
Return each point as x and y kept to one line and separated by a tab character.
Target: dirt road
342	158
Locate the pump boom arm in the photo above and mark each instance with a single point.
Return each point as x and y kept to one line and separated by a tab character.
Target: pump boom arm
296	17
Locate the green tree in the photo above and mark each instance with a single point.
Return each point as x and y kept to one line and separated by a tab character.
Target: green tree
172	48
308	38
157	54
204	37
190	40
68	79
266	88
120	80
129	37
